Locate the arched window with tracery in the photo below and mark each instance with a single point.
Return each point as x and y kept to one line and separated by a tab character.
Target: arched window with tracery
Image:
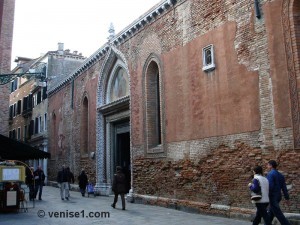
118	85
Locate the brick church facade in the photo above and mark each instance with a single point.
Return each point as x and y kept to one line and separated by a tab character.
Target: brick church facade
187	99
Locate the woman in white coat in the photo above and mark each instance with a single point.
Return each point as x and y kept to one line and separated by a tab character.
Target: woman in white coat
260	184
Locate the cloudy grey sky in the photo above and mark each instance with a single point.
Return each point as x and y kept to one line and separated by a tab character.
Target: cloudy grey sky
81	25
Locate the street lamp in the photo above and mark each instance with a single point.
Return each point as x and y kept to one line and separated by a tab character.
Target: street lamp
40	74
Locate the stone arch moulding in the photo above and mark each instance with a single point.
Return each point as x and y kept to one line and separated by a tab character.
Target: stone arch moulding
159	151
287	15
112	57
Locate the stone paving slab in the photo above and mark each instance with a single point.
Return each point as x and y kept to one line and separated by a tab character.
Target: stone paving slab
135	214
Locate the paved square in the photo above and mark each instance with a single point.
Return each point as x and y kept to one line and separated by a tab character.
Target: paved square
51	210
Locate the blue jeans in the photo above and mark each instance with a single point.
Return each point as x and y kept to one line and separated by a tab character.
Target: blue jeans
274	210
38	188
261	212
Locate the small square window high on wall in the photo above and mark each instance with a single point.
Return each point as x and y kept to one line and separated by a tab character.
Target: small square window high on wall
208	58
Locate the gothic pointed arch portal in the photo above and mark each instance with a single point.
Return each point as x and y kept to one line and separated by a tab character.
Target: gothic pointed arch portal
113	120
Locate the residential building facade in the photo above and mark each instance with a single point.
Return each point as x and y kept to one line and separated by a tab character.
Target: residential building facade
187	99
28	110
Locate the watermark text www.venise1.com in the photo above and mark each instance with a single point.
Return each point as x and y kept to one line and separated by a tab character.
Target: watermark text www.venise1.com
72	214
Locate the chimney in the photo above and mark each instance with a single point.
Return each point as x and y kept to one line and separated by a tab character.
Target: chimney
60	48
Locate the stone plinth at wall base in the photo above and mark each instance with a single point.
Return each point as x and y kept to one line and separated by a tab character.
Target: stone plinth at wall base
294	219
206	208
242	213
103	189
129	196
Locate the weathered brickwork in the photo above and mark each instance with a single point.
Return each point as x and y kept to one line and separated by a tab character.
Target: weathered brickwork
290	11
221	177
65	132
7	10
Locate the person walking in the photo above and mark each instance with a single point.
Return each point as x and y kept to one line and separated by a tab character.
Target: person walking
30	182
119	187
276	186
260	184
62	180
70	179
83	181
39	179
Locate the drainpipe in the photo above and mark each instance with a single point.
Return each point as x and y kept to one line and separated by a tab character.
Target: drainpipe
257	10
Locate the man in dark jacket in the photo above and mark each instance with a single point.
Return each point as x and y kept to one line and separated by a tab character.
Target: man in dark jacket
63	177
71	179
82	181
30	182
276	185
39	178
119	187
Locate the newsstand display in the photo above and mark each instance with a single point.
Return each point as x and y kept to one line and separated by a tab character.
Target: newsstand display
11	193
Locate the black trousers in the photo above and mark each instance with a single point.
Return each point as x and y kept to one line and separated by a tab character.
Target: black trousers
261	212
122	197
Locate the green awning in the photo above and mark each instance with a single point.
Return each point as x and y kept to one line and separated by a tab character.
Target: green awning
11	149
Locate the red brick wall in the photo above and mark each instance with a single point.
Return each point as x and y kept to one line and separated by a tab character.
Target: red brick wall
219	178
221	102
7	9
64	138
278	65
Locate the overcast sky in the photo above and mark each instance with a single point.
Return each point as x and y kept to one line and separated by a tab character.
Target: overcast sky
81	25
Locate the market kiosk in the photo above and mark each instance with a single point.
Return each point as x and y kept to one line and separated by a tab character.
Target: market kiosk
11	193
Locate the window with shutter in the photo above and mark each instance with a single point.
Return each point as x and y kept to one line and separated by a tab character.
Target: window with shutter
14	134
44	92
11	86
11	112
30	101
36	127
39	95
16	84
25	103
15	110
19	107
31	127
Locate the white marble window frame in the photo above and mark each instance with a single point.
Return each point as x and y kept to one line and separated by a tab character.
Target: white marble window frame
208	66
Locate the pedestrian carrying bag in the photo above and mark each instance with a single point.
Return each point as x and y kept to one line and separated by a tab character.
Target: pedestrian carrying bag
255	196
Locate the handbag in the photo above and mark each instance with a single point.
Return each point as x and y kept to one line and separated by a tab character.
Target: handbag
255	196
